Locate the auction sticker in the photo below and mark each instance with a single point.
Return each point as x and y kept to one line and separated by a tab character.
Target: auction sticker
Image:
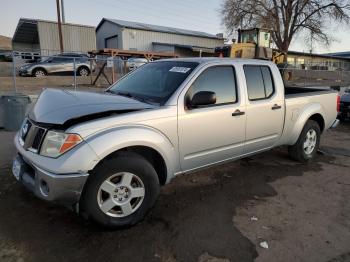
178	69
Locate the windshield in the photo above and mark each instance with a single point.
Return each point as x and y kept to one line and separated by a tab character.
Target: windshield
154	82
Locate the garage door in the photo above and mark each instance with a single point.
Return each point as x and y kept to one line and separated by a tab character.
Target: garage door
111	42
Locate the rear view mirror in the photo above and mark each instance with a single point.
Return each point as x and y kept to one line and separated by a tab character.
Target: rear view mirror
203	98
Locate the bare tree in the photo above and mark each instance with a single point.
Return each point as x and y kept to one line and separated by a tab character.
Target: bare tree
286	18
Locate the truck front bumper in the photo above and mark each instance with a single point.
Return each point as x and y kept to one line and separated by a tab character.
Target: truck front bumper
62	188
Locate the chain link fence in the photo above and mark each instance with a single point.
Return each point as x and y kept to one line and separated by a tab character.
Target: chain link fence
30	73
323	73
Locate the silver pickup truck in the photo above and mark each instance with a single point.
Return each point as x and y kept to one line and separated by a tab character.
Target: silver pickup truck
108	154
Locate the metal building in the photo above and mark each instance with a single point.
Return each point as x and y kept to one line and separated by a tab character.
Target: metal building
112	33
41	36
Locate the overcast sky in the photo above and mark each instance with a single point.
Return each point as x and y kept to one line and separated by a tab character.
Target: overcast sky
188	14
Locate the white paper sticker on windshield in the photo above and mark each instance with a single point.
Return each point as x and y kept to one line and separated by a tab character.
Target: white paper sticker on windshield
178	69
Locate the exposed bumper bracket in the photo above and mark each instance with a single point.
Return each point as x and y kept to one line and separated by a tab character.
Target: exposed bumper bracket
335	123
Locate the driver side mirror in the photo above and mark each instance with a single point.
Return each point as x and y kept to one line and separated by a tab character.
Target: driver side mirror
202	98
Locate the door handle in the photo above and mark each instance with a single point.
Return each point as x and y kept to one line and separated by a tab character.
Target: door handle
238	113
276	107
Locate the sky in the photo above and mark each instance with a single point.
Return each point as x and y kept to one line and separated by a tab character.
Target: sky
187	14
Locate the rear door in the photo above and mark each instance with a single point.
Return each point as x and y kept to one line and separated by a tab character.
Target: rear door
61	64
265	108
212	133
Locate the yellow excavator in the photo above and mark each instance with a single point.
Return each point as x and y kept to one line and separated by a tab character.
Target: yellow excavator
255	43
252	43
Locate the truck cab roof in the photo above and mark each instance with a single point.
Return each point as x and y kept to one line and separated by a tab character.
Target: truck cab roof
207	60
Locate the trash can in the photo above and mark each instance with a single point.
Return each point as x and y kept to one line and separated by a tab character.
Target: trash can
15	107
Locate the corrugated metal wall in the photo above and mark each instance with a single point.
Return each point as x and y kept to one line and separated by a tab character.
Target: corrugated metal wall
76	38
142	40
107	30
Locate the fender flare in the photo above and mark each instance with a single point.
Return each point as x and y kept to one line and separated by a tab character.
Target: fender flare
110	141
303	116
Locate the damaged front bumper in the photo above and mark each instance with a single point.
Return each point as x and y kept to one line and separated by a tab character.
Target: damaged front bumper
62	188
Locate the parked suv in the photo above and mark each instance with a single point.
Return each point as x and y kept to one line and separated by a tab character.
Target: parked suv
62	63
135	62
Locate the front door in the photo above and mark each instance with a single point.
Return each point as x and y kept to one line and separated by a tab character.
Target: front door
214	133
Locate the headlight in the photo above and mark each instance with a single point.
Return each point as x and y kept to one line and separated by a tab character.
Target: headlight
56	143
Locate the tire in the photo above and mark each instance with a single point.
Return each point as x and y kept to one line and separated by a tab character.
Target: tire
310	137
39	72
107	209
83	71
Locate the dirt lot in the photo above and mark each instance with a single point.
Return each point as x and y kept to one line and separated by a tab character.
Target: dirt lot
302	211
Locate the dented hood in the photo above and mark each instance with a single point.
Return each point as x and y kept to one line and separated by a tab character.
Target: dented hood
58	107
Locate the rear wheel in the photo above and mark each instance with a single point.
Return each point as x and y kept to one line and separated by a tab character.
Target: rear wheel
83	71
39	72
308	143
120	191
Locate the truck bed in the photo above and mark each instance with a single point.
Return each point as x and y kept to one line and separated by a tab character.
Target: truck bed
291	92
299	101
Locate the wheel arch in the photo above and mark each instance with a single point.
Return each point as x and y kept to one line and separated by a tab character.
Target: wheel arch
150	154
312	112
153	146
39	68
84	66
319	119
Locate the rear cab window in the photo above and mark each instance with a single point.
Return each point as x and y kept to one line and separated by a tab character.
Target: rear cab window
218	79
260	84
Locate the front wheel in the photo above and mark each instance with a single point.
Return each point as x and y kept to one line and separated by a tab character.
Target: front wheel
307	144
39	72
120	191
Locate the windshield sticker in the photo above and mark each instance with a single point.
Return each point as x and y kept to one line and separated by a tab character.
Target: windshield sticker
182	70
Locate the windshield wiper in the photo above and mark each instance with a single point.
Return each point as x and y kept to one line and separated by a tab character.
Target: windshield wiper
132	96
129	95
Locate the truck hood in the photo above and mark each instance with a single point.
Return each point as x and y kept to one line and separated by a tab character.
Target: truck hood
60	107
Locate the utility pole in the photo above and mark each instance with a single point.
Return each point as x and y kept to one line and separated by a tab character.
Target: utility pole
59	25
63	13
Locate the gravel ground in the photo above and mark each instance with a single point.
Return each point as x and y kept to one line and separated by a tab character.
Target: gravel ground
220	214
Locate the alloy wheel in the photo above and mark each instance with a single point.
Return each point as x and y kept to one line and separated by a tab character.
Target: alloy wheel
121	194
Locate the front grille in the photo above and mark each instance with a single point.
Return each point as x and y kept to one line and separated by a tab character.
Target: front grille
38	138
31	136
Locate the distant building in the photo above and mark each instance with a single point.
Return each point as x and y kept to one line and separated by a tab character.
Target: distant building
40	36
340	54
112	33
5	44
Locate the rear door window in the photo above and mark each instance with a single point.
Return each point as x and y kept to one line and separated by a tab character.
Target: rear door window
259	82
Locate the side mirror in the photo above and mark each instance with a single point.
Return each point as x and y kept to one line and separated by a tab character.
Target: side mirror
203	98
